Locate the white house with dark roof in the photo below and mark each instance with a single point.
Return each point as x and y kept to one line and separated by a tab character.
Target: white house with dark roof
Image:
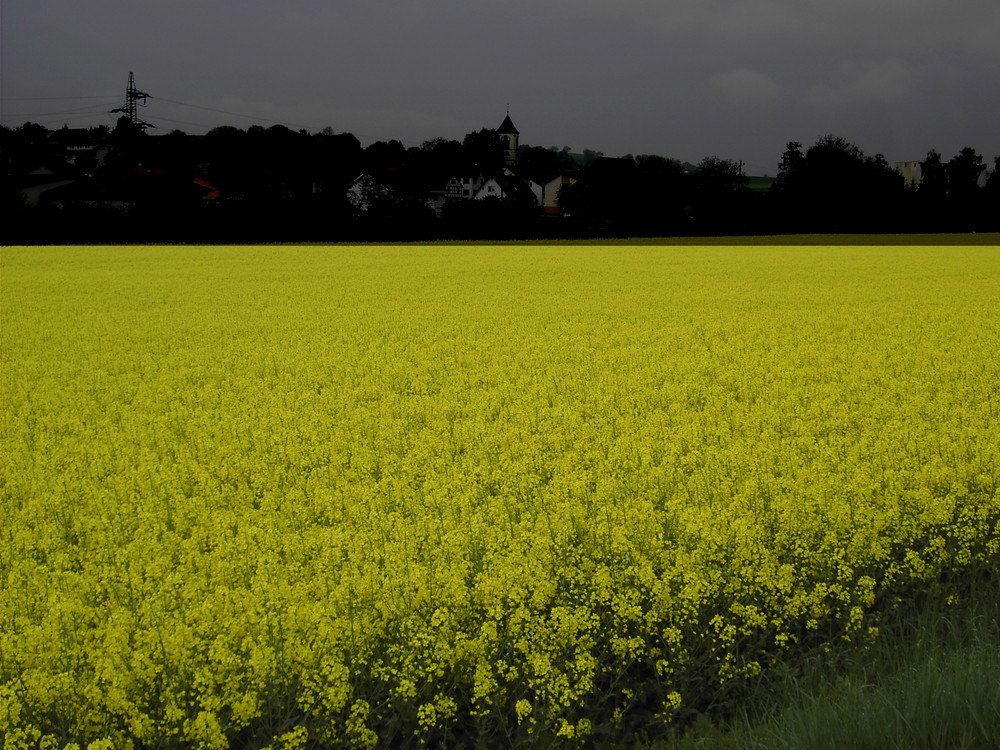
505	185
509	185
463	187
550	193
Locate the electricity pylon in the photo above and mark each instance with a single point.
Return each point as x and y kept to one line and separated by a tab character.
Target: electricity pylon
133	98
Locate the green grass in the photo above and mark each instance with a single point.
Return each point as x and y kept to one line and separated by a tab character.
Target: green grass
931	680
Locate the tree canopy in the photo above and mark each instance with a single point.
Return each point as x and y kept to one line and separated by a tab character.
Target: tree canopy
268	183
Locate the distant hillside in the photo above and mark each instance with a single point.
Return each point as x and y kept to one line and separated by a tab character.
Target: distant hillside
759	184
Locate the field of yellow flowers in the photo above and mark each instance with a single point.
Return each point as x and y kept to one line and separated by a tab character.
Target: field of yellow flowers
371	496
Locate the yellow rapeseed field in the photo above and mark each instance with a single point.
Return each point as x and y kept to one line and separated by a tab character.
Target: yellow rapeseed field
369	496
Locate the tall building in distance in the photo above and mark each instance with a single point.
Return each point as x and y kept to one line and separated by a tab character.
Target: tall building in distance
911	171
508	137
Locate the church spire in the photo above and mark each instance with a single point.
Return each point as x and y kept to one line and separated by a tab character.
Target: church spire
509	138
507	126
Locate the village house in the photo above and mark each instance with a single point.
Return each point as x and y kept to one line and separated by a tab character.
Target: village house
506	185
550	193
364	191
464	186
367	189
509	185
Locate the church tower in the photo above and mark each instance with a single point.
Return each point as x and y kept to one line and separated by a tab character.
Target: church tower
508	137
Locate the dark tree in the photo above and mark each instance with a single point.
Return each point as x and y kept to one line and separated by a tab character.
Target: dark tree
484	152
337	159
719	185
991	198
931	212
226	163
539	164
662	196
790	167
385	156
993	179
965	196
604	196
590	156
789	191
717	176
434	163
933	177
963	172
834	187
950	198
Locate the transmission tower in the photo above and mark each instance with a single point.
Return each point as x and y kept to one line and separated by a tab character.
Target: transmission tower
133	99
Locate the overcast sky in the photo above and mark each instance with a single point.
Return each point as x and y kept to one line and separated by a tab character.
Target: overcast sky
681	78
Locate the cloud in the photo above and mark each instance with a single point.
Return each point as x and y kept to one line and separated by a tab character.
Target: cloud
865	82
894	27
745	87
735	20
981	38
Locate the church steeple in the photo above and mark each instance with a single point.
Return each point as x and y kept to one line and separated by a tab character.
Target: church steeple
508	137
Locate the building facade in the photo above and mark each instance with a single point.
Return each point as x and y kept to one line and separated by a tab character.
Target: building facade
910	170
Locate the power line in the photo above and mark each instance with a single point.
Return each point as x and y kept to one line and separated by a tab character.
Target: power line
89	108
57	116
54	98
95	108
185	122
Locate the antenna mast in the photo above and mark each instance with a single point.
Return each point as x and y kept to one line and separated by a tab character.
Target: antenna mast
133	98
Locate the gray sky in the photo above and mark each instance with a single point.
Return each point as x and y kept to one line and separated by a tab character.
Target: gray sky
681	78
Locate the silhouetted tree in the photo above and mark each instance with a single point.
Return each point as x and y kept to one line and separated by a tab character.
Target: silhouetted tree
385	156
792	161
964	193
483	152
788	193
963	172
539	163
276	183
992	186
565	157
605	196
834	187
227	162
933	176
662	197
434	163
590	156
931	210
991	198
993	179
950	197
26	148
718	185
337	158
717	176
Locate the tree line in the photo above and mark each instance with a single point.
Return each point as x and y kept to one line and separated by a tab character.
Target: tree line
276	184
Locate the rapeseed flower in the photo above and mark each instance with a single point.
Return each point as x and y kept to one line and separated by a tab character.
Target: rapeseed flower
400	495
